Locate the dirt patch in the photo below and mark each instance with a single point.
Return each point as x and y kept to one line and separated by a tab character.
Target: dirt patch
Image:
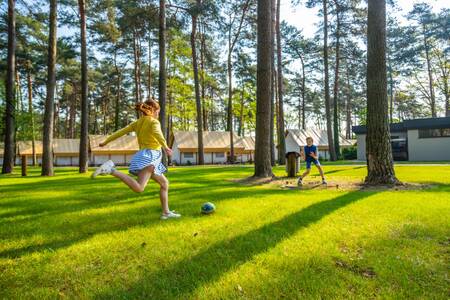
291	184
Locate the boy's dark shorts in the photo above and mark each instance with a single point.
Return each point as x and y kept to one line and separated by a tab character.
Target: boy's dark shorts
308	163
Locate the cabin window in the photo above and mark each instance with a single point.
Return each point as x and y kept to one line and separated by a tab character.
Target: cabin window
220	155
434	133
188	155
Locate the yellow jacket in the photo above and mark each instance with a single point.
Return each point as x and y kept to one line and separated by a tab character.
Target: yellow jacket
148	131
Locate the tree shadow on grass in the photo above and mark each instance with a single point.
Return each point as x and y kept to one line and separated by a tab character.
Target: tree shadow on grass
343	170
182	278
60	232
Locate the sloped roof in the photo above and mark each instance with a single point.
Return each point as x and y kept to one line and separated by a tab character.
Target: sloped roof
248	142
319	136
66	146
126	143
211	140
26	147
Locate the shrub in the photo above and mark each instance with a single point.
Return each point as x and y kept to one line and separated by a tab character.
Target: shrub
349	153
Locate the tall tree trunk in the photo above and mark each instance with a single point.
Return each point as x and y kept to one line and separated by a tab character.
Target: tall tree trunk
31	113
348	106
273	81
73	112
327	84
391	91
8	156
263	167
230	104
379	153
118	93
47	143
197	89
83	158
336	131
162	84
137	94
303	95
149	78
241	114
281	138
430	74
202	75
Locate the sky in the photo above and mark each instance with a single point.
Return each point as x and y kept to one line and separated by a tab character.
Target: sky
306	19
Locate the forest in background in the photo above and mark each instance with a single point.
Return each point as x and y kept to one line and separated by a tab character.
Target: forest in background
123	55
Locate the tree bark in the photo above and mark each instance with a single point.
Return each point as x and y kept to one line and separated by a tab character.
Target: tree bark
273	81
379	153
31	113
197	88
348	106
327	84
83	158
137	94
47	143
118	93
241	114
303	94
391	92
8	157
149	78
202	75
281	138
336	131
263	167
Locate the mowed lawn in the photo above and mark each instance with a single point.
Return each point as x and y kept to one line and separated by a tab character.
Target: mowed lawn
72	237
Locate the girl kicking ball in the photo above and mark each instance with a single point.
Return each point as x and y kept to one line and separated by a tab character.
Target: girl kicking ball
310	155
146	163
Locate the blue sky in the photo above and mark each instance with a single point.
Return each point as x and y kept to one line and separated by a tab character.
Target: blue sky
306	19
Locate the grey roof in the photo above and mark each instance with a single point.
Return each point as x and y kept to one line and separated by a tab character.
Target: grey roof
428	123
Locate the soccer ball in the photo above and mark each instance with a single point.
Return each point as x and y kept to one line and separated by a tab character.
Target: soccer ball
208	208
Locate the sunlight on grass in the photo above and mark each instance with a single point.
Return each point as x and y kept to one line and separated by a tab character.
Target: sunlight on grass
70	236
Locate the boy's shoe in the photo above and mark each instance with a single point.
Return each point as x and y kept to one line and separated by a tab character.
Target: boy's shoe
105	169
170	215
299	181
324	182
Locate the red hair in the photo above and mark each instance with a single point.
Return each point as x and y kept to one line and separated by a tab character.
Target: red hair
148	107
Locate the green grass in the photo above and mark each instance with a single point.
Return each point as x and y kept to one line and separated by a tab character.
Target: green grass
69	236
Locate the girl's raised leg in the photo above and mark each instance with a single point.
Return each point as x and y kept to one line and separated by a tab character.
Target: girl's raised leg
138	185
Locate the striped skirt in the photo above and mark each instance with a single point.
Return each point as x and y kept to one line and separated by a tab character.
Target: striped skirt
147	157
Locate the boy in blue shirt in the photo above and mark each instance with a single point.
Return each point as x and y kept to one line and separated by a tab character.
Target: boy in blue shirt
310	155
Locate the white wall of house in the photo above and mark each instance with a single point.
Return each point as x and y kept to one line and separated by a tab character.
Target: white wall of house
98	159
246	157
118	159
291	144
361	146
187	158
427	149
1	160
219	157
18	161
176	155
66	160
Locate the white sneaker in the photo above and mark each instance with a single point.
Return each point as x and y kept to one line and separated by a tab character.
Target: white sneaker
170	215
105	169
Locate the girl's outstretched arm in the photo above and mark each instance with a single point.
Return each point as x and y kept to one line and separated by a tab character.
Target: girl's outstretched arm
119	133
